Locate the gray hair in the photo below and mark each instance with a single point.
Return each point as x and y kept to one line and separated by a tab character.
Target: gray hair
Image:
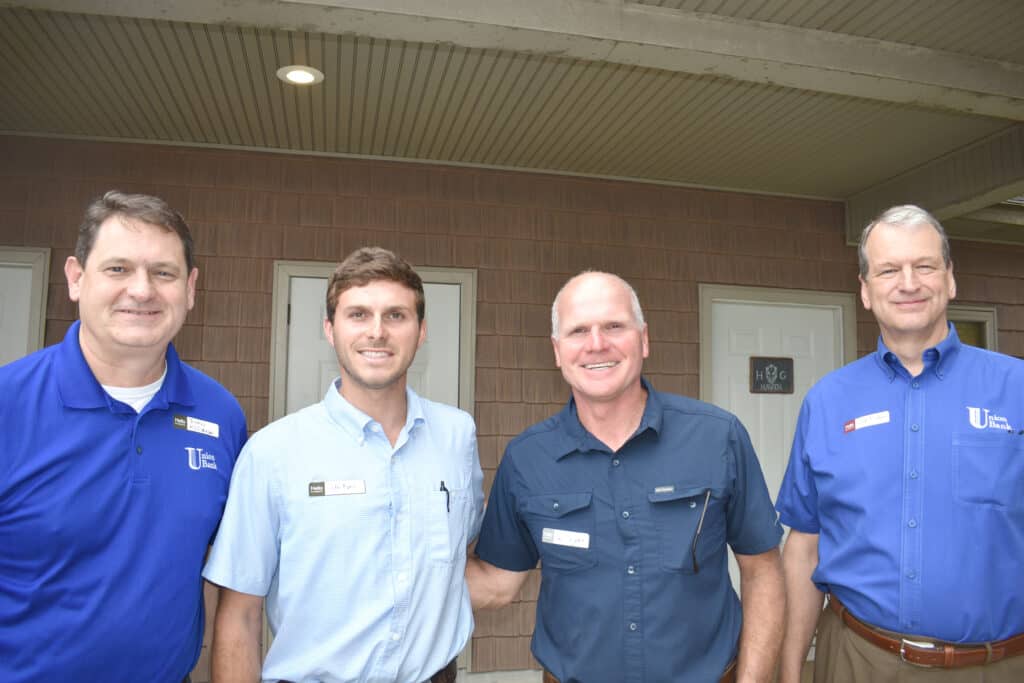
634	300
903	215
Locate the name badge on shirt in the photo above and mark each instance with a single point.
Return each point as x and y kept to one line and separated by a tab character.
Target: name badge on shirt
194	424
863	421
337	487
572	539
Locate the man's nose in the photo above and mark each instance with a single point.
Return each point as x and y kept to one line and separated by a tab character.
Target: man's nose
595	339
908	278
140	286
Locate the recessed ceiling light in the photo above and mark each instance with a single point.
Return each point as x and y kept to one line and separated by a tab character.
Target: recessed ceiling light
300	74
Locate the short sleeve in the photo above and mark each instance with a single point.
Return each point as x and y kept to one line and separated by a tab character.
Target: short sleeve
505	539
245	553
798	497
751	522
476	486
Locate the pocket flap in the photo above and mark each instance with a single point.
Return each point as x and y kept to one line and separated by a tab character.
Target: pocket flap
557	504
667	493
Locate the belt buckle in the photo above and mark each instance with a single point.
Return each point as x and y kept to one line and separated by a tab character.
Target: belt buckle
920	644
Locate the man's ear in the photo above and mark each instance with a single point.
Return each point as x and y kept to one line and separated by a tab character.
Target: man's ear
73	271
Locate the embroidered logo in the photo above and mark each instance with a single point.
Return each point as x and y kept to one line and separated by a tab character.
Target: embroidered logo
982	418
199	459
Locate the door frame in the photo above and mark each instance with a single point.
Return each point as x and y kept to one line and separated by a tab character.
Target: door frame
38	259
709	294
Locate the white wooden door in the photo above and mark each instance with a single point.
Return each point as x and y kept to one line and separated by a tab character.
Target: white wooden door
817	334
23	285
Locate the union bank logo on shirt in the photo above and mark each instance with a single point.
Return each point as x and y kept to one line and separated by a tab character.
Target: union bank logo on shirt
199	459
982	418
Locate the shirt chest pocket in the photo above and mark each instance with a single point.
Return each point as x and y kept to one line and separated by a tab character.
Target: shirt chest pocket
447	520
690	525
988	469
562	525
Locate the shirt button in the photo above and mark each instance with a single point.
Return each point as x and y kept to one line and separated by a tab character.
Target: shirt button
914	428
913	474
555	505
138	449
632	626
631	570
395	636
912	524
402	577
615	462
911	575
625	514
693	503
916	385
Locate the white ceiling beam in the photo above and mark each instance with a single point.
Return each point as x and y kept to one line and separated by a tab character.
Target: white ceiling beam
956	185
630	33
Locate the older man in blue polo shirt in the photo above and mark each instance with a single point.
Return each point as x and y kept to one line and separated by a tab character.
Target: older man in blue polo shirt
114	466
905	489
629	498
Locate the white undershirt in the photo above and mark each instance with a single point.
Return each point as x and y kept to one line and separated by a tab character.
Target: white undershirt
136	397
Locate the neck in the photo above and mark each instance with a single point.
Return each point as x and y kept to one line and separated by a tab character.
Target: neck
388	405
124	370
613	422
910	347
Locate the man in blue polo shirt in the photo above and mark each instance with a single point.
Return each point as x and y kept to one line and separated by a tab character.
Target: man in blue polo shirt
351	517
905	489
114	468
629	497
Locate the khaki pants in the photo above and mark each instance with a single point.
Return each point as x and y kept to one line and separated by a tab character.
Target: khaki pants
841	656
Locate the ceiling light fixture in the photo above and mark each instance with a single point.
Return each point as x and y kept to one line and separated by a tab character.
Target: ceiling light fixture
300	74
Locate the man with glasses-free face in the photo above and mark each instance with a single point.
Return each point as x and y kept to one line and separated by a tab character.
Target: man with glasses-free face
351	517
629	498
115	466
905	489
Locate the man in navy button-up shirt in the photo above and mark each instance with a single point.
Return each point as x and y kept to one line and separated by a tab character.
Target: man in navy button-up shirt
629	497
905	487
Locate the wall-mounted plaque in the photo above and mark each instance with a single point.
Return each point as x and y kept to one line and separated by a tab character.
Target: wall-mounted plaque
771	375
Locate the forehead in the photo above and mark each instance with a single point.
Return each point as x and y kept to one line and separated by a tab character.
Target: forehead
378	293
893	242
121	237
594	298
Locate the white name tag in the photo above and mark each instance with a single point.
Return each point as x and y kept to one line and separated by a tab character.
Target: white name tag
871	420
337	487
344	487
194	424
573	539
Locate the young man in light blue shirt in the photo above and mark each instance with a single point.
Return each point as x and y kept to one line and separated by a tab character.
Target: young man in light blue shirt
351	517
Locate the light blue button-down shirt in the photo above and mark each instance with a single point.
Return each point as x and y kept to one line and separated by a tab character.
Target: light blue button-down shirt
358	546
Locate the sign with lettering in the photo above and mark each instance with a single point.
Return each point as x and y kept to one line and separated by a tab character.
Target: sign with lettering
771	375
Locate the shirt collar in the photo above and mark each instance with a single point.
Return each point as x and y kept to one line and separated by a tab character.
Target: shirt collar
938	359
573	436
356	423
78	387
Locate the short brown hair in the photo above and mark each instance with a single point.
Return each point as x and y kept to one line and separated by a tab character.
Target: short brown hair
140	207
369	264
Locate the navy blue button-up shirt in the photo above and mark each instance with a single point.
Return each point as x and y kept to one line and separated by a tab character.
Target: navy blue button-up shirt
635	584
915	486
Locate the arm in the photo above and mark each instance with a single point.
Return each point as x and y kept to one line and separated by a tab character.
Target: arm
799	558
490	586
764	606
236	637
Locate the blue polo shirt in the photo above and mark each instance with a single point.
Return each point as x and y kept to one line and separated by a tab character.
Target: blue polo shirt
621	596
105	516
915	486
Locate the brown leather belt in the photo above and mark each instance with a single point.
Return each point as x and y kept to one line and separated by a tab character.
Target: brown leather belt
445	675
930	653
728	677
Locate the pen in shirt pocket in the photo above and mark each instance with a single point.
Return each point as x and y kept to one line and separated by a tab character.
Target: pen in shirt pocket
447	497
